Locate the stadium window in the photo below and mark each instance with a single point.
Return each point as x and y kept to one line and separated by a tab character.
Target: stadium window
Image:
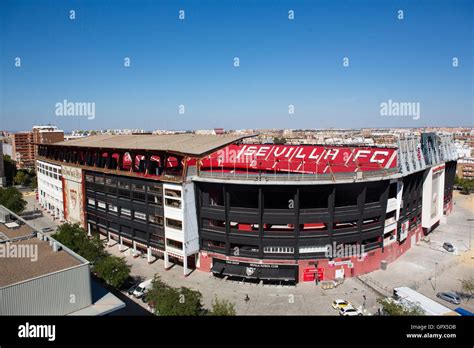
172	193
173	203
212	195
174	243
125	212
138	195
314	197
124	184
393	190
91	202
99	180
112	208
101	205
281	199
374	191
244	198
213	244
243	247
139	215
138	187
89	178
278	250
155	189
155	219
153	199
346	195
176	224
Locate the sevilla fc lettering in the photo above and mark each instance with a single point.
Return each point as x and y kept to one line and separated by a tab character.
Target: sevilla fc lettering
300	159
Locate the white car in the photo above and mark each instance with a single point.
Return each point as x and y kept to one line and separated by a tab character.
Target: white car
339	304
349	311
143	288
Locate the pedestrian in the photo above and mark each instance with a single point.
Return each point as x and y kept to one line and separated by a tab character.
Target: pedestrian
247	298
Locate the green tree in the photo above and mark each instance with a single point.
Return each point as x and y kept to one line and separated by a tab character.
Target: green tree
75	238
22	177
279	141
222	308
12	199
114	270
9	168
169	301
34	183
393	308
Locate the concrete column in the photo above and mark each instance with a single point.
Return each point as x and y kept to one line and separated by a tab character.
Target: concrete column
149	256
185	265
134	247
121	244
167	261
89	233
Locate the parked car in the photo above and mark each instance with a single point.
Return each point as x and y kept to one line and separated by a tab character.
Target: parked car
47	229
339	304
349	311
449	296
448	247
132	288
143	288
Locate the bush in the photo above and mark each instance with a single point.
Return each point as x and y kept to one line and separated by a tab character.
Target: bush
222	308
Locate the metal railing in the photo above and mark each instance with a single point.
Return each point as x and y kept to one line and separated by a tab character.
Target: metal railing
359	176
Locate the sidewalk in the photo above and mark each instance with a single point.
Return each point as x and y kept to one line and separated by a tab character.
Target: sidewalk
303	299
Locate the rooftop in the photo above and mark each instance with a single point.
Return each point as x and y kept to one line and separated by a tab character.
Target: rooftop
41	260
24	256
186	144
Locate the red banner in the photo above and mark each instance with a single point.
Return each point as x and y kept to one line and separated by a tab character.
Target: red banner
300	159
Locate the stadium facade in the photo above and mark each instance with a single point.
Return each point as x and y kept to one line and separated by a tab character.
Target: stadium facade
255	211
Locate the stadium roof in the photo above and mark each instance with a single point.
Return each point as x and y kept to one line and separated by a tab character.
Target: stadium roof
187	144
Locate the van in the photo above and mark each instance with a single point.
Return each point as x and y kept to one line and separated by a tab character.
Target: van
143	288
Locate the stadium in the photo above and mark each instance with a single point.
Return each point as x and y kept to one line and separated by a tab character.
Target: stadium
259	212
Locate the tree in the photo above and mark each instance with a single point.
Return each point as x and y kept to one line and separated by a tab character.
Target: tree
279	141
21	178
9	166
75	238
12	199
392	308
222	308
114	270
169	301
468	286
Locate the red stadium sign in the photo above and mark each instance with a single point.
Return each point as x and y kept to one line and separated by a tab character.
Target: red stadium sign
300	159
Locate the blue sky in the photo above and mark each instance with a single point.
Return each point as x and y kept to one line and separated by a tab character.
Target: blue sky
190	62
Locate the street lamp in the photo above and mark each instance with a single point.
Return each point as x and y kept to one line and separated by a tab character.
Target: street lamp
436	271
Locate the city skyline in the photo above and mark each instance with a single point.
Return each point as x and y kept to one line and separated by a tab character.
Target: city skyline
188	64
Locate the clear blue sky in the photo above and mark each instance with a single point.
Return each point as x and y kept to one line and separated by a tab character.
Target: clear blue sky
190	62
